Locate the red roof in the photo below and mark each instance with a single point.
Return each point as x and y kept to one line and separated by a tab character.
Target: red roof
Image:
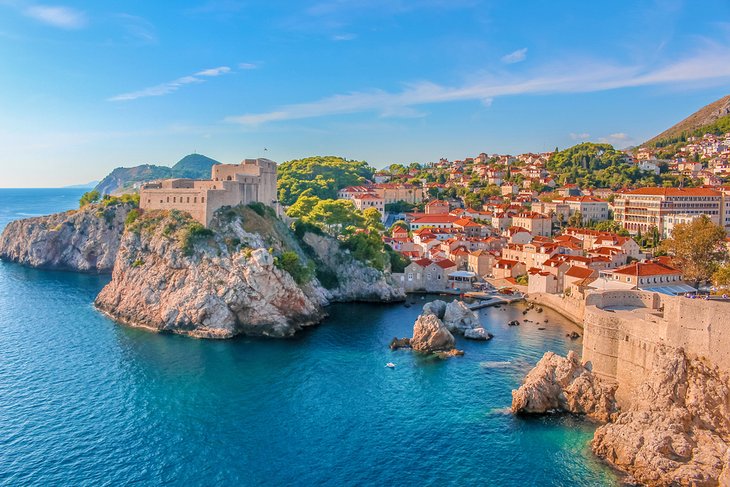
445	264
579	272
423	262
657	191
425	220
641	269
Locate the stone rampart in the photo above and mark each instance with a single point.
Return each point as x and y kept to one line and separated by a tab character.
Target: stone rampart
622	329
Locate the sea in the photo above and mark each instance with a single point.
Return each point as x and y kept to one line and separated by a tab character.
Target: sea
85	401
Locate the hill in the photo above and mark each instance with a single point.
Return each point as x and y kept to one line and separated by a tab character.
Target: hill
121	179
712	118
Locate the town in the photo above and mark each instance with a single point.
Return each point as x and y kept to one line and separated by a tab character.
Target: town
550	222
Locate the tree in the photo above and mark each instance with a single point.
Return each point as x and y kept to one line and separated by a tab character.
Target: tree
323	175
373	219
698	248
334	215
576	219
721	277
304	205
89	197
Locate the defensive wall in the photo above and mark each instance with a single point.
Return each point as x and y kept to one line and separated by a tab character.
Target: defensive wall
623	329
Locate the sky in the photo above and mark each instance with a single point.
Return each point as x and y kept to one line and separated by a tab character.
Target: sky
89	86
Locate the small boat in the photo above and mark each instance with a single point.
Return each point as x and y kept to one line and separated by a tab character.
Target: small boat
390	365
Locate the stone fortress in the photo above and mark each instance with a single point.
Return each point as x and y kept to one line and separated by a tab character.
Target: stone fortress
623	329
253	180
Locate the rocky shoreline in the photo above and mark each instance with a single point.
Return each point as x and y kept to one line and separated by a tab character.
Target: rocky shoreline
675	432
171	275
84	240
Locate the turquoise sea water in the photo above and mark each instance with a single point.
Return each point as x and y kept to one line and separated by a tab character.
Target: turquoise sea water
84	401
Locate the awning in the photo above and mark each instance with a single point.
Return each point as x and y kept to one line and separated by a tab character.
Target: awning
672	290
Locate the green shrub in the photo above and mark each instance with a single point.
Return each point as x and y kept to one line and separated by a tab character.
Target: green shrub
327	278
138	262
132	217
398	261
258	207
89	197
192	233
290	262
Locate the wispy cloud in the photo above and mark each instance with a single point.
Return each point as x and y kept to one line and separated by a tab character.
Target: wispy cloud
57	16
172	86
137	29
580	136
712	65
515	56
248	66
344	37
619	138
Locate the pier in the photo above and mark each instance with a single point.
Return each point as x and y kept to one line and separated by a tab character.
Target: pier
485	300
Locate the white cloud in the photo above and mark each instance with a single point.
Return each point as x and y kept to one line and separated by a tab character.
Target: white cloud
581	136
247	66
214	71
62	17
515	56
711	65
619	136
172	86
619	139
344	37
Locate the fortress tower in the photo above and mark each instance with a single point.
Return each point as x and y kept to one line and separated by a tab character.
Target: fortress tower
253	180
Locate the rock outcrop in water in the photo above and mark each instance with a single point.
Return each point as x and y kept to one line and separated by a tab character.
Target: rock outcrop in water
564	384
431	335
675	432
677	429
85	240
173	275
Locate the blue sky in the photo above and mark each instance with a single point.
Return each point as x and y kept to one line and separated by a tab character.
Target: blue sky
89	86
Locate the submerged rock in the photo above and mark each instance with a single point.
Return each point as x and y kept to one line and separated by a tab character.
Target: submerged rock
478	333
677	429
397	343
564	384
85	240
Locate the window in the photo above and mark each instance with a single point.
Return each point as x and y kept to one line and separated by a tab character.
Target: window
428	276
418	276
188	199
168	199
410	276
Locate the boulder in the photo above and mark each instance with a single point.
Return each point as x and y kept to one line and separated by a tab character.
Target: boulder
478	333
436	308
431	335
564	384
459	318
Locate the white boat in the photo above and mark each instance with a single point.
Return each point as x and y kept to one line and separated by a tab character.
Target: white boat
390	365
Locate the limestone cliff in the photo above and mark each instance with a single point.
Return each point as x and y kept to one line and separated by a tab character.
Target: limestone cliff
355	281
564	384
172	274
677	429
84	240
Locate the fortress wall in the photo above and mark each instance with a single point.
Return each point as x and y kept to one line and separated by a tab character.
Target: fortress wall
700	327
619	299
571	308
193	201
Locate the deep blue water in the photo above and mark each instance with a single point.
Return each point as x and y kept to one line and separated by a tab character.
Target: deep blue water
84	401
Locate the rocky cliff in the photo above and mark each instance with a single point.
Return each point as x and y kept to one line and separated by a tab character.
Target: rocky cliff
355	281
172	274
84	240
677	430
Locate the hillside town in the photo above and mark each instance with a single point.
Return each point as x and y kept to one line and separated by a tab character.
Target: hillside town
518	222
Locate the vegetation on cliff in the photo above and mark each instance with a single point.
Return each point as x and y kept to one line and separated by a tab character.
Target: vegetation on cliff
710	119
698	248
324	176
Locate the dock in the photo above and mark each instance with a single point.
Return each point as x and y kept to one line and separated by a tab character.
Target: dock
485	300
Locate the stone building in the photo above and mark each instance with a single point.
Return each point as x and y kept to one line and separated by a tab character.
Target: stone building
253	180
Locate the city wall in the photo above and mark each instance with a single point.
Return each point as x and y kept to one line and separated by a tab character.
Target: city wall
623	329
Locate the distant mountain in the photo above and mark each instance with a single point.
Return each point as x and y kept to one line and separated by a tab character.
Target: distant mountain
712	118
88	185
121	179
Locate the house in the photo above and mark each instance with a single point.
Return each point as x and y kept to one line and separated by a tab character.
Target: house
437	207
504	268
655	275
576	274
435	221
533	222
539	281
480	262
591	208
